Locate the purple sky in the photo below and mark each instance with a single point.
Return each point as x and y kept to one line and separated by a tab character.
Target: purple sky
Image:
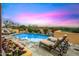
43	14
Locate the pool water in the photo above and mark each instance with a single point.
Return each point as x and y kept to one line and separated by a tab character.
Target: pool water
31	36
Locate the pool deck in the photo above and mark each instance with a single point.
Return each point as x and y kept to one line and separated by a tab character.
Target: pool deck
39	51
36	50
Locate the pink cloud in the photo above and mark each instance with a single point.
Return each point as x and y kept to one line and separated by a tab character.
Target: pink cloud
70	23
50	19
49	14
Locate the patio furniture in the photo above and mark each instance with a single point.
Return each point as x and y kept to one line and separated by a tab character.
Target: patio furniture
60	46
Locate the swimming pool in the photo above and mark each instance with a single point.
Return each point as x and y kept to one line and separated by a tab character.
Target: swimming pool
31	36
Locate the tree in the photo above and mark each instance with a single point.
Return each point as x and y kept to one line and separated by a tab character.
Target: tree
22	27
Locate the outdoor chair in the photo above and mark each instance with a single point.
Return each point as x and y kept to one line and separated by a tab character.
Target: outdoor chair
58	46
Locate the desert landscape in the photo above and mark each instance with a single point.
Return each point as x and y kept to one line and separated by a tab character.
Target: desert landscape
72	37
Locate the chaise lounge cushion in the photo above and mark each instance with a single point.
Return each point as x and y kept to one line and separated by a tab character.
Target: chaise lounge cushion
47	42
52	39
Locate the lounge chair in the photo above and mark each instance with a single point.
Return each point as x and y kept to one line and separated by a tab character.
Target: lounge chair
60	46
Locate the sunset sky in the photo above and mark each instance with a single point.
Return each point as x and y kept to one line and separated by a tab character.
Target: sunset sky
42	14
